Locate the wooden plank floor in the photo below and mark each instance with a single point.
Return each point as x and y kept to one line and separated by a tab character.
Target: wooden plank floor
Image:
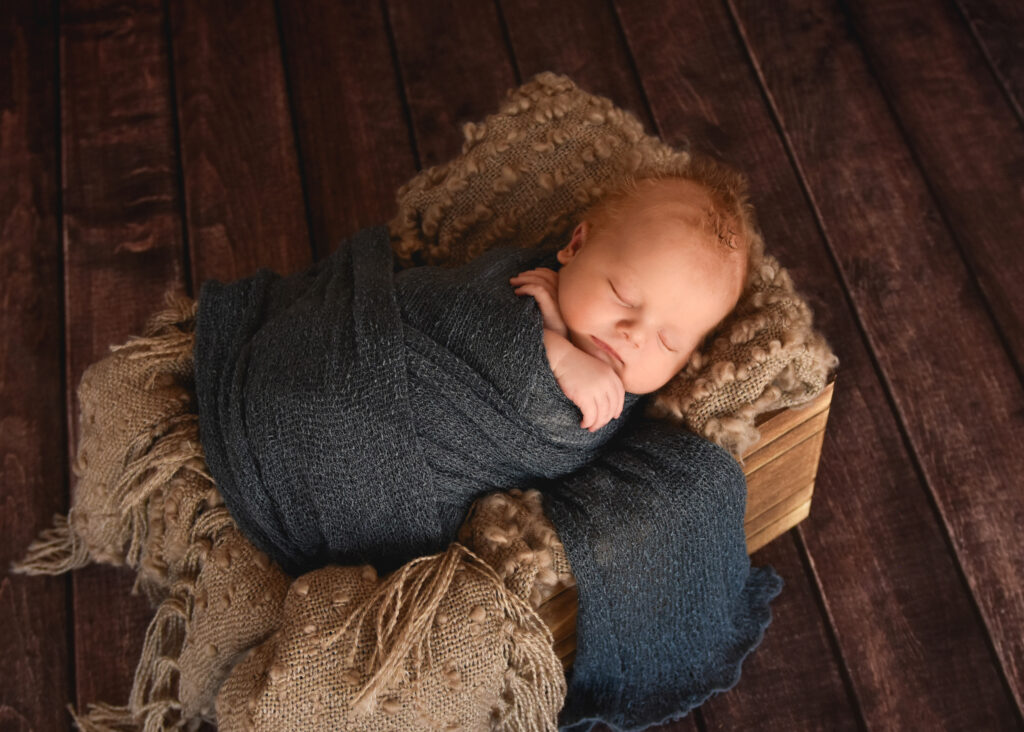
159	143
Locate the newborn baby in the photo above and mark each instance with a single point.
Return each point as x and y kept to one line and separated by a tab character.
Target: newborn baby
349	414
645	277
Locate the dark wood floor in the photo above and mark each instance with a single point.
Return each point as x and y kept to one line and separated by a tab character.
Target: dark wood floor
148	144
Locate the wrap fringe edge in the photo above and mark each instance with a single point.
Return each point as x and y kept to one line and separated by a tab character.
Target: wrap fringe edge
168	338
535	682
153	459
57	550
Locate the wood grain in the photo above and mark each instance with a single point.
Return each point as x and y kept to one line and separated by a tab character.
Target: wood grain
792	681
869	503
998	25
354	145
455	68
813	419
772	425
581	39
34	675
878	625
241	172
900	262
931	68
122	251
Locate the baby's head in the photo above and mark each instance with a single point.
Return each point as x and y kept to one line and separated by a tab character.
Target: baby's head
650	271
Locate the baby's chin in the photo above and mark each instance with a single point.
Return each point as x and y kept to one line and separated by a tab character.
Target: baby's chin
645	385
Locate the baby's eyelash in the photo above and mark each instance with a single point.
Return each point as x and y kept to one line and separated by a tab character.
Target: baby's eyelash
667	346
620	298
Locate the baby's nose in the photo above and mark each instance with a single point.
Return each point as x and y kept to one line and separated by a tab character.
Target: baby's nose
634	336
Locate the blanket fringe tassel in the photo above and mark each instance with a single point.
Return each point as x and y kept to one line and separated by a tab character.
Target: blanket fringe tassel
537	685
152	459
57	550
104	718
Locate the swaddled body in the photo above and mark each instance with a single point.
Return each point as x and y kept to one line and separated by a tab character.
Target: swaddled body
349	415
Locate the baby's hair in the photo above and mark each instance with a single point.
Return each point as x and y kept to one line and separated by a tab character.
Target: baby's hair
730	217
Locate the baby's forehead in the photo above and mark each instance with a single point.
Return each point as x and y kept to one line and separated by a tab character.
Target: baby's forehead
676	251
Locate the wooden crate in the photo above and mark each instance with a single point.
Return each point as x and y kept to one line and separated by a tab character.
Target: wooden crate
780	469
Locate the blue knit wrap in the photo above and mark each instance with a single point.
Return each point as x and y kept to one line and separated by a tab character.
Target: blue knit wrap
350	415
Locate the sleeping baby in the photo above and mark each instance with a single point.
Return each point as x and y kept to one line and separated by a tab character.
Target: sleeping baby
646	275
352	415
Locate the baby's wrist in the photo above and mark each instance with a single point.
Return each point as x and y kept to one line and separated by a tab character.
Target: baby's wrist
557	347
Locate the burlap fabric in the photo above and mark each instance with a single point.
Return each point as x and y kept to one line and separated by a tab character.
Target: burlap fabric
528	173
465	653
451	639
143	498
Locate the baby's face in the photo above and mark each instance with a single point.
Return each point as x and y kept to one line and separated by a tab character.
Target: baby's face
642	289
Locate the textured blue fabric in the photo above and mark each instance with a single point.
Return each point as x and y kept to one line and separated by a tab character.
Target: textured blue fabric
668	603
351	415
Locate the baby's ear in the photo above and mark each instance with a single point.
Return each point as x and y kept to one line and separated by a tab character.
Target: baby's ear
579	237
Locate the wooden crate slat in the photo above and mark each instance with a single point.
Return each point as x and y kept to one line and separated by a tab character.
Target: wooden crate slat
783	476
773	425
779	446
761	525
565	649
782	524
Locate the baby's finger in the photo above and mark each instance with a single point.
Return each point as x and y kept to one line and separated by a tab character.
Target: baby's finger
548	275
531	274
609	409
589	414
599	409
531	289
547	278
542	271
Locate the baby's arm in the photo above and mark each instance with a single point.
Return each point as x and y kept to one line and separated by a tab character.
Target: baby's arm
591	384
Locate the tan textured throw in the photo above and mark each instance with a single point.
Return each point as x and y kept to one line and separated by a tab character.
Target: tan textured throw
449	641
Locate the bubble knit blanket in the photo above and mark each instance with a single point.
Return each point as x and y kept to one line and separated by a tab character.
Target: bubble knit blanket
350	415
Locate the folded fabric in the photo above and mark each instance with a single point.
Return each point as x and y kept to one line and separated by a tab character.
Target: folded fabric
349	415
669	605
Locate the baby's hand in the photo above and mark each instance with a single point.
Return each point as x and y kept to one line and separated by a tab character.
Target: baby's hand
542	284
590	383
